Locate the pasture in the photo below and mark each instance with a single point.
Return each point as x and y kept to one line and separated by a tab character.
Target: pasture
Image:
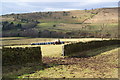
83	56
47	50
7	41
103	65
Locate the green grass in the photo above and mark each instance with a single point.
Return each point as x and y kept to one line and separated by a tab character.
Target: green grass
20	69
18	22
46	25
66	23
77	26
96	51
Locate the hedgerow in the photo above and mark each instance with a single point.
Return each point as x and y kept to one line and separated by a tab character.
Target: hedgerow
73	48
19	55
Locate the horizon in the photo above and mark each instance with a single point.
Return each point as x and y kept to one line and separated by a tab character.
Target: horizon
51	11
30	7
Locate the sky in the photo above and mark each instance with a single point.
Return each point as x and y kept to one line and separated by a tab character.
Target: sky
27	6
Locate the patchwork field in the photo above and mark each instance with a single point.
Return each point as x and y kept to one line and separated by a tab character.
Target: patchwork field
94	23
80	30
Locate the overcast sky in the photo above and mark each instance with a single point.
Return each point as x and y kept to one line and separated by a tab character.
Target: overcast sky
26	6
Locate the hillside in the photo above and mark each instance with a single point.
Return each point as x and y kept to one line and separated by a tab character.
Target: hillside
76	23
106	15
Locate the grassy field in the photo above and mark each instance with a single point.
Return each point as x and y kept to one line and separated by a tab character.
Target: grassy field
26	40
23	40
47	50
76	23
104	65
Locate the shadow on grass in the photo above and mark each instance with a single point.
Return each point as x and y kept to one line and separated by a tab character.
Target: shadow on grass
94	52
17	70
30	68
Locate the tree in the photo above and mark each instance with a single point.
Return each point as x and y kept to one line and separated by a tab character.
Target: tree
54	25
19	26
85	10
102	29
8	26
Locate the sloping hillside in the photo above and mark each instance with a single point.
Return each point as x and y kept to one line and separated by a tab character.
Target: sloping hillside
106	15
60	16
76	23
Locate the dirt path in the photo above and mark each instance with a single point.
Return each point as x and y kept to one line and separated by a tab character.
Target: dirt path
104	65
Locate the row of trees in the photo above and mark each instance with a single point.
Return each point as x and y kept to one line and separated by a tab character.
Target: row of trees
32	32
30	17
12	26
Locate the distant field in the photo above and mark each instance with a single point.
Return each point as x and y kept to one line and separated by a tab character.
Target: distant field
47	50
24	40
74	23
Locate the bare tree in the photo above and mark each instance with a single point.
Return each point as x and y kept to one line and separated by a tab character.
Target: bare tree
102	29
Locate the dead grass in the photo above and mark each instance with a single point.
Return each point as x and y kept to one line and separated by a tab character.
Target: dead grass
100	66
24	40
47	50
